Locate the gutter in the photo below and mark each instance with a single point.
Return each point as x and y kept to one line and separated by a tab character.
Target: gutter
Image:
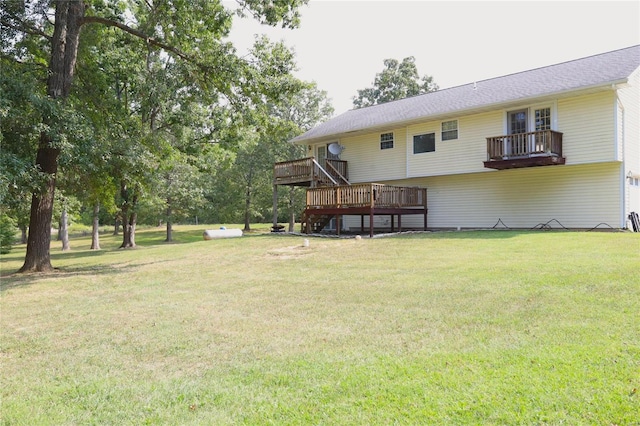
623	176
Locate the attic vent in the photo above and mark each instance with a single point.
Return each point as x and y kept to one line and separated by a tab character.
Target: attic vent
475	86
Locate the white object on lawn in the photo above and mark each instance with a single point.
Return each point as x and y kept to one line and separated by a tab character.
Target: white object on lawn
211	234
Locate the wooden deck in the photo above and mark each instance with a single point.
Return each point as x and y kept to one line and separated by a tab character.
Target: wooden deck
363	200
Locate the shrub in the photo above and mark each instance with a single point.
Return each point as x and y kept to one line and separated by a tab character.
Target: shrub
7	233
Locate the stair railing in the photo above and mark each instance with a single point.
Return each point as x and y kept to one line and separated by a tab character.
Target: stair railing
324	171
337	172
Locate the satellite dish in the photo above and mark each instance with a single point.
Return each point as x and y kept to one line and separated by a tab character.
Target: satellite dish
335	148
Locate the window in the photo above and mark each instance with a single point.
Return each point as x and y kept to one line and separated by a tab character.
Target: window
386	141
543	119
449	130
517	122
424	143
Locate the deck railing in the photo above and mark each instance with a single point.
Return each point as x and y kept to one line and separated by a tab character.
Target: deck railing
293	171
366	195
522	145
309	170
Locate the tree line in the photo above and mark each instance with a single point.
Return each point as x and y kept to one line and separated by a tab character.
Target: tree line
119	108
144	112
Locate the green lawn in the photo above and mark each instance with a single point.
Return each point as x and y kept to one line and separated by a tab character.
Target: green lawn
487	327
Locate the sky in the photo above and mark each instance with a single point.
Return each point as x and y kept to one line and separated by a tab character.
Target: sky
341	45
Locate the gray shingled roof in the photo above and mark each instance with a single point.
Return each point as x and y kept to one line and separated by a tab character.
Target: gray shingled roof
580	74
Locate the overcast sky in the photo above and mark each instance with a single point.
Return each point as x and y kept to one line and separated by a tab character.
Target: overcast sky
341	45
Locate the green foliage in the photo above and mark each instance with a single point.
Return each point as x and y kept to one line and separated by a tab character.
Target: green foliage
159	102
285	12
398	80
7	233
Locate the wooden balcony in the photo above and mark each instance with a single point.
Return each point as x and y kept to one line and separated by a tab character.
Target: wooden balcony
541	148
309	172
368	199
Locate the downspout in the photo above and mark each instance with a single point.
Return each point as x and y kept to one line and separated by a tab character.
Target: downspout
406	152
621	143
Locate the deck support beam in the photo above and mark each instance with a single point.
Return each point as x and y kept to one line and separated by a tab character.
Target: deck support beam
371	223
367	211
275	206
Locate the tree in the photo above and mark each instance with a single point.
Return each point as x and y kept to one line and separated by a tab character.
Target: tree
7	232
397	81
20	118
187	30
245	192
180	191
294	116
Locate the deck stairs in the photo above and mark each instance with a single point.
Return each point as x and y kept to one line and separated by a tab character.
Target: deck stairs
328	176
316	222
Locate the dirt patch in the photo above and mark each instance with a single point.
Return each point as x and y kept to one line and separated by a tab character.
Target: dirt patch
291	252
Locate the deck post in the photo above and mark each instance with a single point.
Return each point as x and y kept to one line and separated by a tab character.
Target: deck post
275	206
424	199
371	223
372	203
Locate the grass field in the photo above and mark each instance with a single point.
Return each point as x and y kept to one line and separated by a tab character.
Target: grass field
486	327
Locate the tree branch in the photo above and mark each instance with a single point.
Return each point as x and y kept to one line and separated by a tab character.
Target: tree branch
23	63
25	28
149	40
221	86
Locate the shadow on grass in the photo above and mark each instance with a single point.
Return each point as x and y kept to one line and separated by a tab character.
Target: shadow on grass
487	234
13	279
483	234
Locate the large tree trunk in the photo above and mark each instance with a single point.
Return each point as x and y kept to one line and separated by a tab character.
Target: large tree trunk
38	257
129	231
292	214
169	224
23	234
63	231
247	209
95	229
129	216
64	51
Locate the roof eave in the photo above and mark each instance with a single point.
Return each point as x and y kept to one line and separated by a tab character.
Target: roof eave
610	85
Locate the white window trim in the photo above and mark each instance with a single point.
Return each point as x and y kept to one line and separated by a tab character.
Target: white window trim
393	140
457	130
530	112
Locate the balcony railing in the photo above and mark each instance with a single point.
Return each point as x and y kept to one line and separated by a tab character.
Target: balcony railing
544	142
538	148
308	172
372	195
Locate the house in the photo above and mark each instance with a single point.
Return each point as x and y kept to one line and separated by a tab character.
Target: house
553	146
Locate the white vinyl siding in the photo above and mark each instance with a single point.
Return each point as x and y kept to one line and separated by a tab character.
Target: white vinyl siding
576	196
463	155
369	163
629	140
588	127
